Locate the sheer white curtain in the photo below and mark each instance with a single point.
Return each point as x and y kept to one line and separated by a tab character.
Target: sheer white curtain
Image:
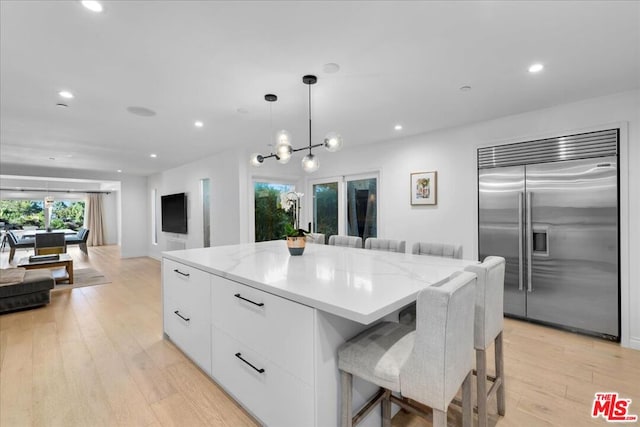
93	220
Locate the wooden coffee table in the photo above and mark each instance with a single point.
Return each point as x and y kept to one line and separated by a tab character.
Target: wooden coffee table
65	261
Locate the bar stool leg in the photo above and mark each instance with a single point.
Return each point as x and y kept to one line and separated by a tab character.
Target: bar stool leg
467	405
500	374
439	418
481	369
346	392
386	412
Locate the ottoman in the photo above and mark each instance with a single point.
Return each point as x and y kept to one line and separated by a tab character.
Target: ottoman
32	291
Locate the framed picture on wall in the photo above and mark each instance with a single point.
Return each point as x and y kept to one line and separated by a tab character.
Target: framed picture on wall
424	189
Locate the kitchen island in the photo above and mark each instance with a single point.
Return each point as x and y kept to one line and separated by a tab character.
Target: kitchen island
266	326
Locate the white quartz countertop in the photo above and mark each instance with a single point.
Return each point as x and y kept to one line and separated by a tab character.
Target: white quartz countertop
357	284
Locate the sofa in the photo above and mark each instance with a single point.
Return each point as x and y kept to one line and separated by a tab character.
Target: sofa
20	288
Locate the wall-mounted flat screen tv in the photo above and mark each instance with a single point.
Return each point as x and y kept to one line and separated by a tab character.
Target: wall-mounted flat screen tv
174	213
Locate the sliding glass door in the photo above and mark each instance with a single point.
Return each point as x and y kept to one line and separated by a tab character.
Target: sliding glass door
362	208
325	208
346	205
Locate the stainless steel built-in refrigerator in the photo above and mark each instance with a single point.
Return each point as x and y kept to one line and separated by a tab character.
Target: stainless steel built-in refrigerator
550	208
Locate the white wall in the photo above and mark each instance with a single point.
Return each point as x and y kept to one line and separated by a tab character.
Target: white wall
110	203
451	153
133	221
222	170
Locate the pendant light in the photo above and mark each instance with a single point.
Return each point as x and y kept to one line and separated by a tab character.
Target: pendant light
283	150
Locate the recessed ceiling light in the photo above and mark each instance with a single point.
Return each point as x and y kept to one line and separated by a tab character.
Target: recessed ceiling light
198	124
398	127
92	5
119	171
465	88
153	156
536	68
65	94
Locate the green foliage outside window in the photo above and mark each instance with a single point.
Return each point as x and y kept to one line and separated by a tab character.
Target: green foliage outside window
326	208
270	218
64	214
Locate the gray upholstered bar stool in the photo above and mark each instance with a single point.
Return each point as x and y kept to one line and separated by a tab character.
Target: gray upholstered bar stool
489	323
388	245
437	249
407	315
427	365
317	238
349	241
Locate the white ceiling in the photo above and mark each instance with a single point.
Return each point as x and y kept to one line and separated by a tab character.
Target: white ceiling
400	62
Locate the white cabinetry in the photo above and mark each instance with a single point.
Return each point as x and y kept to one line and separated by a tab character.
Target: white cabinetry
263	352
187	310
258	346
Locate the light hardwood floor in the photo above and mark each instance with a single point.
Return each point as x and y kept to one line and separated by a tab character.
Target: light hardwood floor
95	356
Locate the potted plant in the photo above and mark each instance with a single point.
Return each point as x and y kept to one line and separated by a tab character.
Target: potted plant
296	236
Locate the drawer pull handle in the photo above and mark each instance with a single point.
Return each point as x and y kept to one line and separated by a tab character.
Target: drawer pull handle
259	304
239	356
177	313
180	272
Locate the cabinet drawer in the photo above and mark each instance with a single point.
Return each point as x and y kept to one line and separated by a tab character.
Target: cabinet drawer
280	329
276	397
189	330
186	285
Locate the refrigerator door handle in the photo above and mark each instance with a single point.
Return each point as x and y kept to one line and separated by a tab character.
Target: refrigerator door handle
529	243
520	232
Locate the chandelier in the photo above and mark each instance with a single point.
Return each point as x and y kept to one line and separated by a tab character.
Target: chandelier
283	150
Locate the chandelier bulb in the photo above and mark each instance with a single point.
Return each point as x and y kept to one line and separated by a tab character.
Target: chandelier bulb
283	149
310	163
256	160
333	142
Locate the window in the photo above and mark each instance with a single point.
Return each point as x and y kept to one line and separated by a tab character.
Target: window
269	217
154	216
346	205
64	213
205	189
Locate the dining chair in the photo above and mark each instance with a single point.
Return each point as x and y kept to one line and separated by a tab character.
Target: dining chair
348	241
17	243
488	327
427	365
50	243
388	245
80	239
317	238
437	249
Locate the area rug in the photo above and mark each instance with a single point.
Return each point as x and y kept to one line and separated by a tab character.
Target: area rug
83	277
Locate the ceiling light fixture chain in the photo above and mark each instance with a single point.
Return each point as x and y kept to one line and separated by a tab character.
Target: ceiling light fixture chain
283	149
